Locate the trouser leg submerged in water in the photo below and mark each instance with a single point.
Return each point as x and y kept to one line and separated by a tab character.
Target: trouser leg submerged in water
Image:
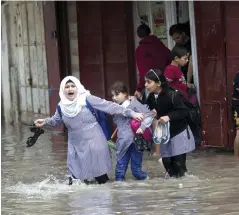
136	165
176	165
100	179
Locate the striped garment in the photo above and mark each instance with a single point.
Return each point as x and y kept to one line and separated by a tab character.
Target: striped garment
125	133
88	154
178	145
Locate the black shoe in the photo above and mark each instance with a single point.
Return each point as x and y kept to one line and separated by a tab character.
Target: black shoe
37	132
89	181
70	181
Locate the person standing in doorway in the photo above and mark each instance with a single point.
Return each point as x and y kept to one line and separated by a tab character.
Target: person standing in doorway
180	33
150	54
173	72
235	111
176	79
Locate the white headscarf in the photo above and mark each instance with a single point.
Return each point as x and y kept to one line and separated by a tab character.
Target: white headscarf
72	108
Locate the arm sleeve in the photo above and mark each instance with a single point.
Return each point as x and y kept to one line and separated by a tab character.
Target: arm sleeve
149	115
149	102
109	107
181	111
55	120
170	75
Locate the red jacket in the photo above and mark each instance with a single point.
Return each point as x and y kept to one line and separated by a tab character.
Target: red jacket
151	54
176	79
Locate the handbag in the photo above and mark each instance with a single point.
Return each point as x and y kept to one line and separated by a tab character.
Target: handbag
134	124
161	134
140	143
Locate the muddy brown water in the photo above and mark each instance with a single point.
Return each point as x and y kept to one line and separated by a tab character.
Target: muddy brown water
34	181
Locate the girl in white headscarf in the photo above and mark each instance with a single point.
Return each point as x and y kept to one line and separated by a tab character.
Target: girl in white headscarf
88	154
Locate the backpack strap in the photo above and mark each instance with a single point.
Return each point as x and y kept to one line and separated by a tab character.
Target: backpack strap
59	110
91	109
173	95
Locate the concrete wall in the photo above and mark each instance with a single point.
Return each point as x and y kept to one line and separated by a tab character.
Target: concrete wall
5	74
23	70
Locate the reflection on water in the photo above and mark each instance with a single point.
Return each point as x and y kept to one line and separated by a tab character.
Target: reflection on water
34	181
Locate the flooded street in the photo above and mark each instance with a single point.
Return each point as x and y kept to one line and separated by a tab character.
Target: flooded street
34	181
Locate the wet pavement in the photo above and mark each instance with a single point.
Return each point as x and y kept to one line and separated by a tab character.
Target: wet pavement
34	181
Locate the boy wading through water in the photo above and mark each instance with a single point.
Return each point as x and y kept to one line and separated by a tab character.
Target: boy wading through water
88	154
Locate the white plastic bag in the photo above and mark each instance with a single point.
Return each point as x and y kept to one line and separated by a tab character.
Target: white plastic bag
161	133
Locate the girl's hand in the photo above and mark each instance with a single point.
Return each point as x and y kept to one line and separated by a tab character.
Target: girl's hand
137	94
40	122
164	119
139	131
138	116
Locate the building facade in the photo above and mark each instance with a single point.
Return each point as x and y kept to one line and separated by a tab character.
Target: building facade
95	41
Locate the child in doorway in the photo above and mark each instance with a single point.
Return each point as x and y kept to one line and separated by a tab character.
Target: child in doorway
125	147
176	80
173	72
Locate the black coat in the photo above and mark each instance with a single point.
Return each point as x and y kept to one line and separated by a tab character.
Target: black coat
175	108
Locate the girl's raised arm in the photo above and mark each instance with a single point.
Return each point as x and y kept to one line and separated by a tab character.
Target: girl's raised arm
112	108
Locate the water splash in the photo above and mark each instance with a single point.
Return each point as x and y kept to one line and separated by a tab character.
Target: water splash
48	188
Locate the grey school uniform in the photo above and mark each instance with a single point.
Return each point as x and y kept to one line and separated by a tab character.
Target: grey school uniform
177	112
180	144
125	134
88	154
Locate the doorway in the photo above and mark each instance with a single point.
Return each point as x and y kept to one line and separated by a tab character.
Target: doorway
106	49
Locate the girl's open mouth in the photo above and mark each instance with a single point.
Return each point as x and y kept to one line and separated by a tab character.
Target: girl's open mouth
70	94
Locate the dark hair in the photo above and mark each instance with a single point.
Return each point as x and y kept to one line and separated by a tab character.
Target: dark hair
70	81
118	87
180	28
143	31
179	51
157	76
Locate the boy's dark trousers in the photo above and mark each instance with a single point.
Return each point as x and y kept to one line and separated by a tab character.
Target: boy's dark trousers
176	165
136	164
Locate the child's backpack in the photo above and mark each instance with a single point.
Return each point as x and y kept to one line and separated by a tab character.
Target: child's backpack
100	117
194	116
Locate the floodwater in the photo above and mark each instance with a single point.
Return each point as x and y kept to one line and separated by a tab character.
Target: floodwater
34	181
